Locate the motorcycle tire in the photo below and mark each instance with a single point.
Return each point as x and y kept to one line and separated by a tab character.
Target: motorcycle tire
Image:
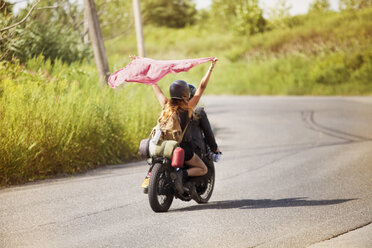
160	200
205	193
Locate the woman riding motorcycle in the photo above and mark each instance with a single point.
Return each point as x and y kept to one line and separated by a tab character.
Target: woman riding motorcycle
184	107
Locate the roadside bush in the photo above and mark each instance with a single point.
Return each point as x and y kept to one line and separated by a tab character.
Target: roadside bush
36	38
341	67
330	70
55	119
362	66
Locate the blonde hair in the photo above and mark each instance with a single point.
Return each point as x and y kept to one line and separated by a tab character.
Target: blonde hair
174	106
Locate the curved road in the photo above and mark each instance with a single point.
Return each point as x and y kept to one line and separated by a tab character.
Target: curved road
296	171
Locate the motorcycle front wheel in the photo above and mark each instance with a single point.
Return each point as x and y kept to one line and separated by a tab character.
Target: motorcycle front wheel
159	190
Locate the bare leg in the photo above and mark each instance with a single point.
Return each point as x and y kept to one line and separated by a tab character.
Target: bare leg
198	168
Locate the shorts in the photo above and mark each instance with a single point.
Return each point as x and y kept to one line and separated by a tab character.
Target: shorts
189	152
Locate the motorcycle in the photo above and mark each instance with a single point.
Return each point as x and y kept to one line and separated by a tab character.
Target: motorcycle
161	184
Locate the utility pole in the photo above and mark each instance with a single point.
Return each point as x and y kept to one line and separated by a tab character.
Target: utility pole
86	28
139	32
95	35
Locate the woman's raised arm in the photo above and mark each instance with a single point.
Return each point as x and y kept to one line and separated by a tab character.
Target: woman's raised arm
203	84
160	95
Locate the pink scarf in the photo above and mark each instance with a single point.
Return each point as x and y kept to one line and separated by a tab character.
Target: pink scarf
150	71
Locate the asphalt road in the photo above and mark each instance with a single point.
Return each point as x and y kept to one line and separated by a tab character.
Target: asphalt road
296	171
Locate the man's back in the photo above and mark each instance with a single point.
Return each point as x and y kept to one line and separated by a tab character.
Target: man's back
200	130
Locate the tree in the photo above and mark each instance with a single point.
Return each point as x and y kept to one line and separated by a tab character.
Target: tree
52	29
170	13
279	14
249	17
319	6
6	13
243	16
354	4
5	8
115	16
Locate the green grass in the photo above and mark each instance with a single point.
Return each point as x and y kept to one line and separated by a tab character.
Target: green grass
322	54
339	73
56	119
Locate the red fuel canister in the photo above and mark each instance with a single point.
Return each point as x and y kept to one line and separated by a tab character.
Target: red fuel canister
178	157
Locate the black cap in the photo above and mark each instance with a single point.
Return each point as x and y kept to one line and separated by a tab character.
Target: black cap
192	90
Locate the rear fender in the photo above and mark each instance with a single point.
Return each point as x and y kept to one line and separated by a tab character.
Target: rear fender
165	162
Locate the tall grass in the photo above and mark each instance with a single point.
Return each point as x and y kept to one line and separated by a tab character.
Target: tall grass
55	119
321	54
339	73
311	33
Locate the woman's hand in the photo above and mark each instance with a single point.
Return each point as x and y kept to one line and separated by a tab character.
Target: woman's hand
214	61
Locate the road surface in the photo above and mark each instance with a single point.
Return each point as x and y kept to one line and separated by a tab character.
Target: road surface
296	172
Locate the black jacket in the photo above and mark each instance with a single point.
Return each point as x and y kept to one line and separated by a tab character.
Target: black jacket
199	129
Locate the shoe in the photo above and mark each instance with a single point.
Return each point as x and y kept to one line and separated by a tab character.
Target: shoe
145	185
178	182
192	191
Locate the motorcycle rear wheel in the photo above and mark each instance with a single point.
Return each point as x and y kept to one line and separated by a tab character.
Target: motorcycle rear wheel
160	197
205	193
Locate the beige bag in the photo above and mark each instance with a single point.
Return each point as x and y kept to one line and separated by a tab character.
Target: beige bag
170	129
165	137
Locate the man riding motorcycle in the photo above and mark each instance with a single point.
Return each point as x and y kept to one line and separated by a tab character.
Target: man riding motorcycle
200	130
200	127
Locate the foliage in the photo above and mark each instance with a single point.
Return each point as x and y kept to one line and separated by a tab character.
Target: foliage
249	18
354	4
315	55
116	17
51	32
36	38
169	13
279	15
5	8
319	6
55	119
341	73
244	16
